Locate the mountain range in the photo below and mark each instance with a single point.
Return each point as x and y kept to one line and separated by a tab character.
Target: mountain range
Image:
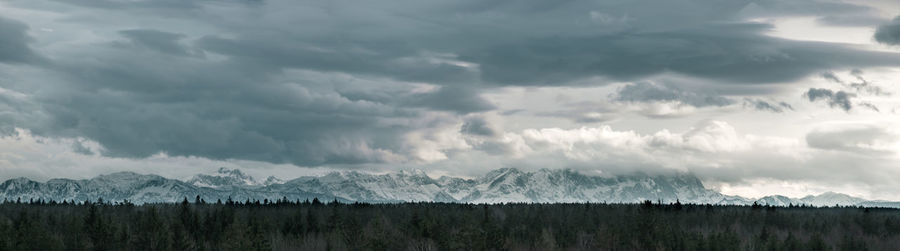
498	186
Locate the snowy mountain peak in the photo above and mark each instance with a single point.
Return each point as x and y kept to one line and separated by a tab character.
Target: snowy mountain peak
272	180
830	199
236	173
821	200
776	200
225	177
502	173
497	186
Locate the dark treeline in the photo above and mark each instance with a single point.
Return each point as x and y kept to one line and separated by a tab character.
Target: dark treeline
313	225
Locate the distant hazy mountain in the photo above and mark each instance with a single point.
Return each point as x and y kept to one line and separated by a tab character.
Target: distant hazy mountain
502	185
140	188
825	199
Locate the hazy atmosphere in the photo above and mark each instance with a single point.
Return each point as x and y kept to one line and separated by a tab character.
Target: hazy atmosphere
754	98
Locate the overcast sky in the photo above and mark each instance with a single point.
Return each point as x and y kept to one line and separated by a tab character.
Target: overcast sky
789	97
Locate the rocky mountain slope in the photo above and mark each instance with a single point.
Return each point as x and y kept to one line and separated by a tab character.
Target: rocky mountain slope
498	186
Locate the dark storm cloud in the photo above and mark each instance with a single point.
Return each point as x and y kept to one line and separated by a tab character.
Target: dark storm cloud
16	111
650	92
221	80
79	147
14	41
378	58
770	8
134	4
218	110
735	53
165	6
537	43
838	99
452	98
478	126
889	33
161	41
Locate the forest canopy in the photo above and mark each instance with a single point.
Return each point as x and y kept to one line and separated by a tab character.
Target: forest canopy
316	225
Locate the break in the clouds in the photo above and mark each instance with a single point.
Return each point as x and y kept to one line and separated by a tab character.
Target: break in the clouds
453	87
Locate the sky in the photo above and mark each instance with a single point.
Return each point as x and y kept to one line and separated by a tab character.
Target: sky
753	97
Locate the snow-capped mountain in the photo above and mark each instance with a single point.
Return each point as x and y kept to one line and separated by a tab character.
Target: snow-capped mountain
502	185
776	200
138	188
225	177
822	200
830	199
356	186
513	185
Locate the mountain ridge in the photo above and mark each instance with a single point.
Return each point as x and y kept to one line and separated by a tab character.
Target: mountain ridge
505	185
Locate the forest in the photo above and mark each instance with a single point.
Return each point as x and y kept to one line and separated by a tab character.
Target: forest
314	225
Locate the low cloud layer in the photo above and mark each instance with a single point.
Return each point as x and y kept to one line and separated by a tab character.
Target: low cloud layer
649	92
858	138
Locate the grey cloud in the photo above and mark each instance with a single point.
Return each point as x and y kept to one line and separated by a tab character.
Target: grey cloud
217	110
479	126
763	105
581	115
838	99
859	138
851	20
167	7
864	85
161	41
14	42
830	76
889	33
870	106
16	111
79	147
134	4
650	92
452	98
243	100
593	117
776	8
523	43
729	53
861	85
511	112
583	111
382	58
